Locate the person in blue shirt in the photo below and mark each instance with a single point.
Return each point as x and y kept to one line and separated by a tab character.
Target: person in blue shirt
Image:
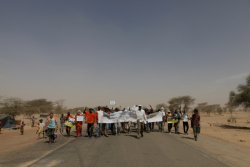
51	127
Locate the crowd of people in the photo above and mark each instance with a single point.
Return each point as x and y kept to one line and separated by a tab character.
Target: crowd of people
90	117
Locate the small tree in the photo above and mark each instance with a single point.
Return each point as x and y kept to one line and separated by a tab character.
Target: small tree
159	106
40	105
59	107
12	106
242	97
182	103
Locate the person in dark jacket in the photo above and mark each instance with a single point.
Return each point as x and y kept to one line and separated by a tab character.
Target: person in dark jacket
195	123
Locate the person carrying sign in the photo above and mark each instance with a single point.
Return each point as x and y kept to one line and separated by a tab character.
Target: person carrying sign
78	123
141	120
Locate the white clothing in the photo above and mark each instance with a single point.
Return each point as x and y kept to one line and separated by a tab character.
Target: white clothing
100	115
41	125
185	118
162	113
141	116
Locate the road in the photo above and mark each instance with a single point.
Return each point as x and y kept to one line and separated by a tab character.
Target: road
153	150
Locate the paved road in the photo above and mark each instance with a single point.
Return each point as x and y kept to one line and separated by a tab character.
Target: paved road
153	150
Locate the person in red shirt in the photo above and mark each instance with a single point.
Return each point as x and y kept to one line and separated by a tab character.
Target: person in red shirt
79	122
90	119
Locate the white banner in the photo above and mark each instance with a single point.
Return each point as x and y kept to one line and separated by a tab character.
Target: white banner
127	116
155	117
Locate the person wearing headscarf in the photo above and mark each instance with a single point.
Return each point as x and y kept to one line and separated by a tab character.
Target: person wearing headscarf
78	123
69	122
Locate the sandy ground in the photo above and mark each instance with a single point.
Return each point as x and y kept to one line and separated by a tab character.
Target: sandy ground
217	126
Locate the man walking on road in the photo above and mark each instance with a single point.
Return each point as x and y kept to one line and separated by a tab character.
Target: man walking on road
141	119
91	119
185	122
195	124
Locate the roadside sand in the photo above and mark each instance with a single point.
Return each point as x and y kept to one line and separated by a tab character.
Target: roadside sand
217	126
12	140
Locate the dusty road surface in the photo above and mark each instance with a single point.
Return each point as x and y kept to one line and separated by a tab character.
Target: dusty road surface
153	150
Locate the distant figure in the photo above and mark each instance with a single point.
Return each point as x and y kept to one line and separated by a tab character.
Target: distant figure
40	129
32	121
185	122
0	126
22	127
62	121
195	124
169	121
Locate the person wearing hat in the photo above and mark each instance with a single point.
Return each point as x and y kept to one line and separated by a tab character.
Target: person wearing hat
162	123
141	120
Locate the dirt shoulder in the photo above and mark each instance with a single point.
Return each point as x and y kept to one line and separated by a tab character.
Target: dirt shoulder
12	140
217	126
225	141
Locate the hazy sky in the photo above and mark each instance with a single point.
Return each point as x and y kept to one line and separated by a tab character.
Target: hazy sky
136	52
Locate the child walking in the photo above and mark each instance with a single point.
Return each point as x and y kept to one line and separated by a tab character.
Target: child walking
22	127
40	129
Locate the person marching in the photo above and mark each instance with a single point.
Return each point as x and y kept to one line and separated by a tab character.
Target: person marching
195	124
99	115
69	123
162	123
22	127
169	119
79	122
62	122
90	119
32	121
0	126
177	117
51	127
40	129
141	120
185	122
